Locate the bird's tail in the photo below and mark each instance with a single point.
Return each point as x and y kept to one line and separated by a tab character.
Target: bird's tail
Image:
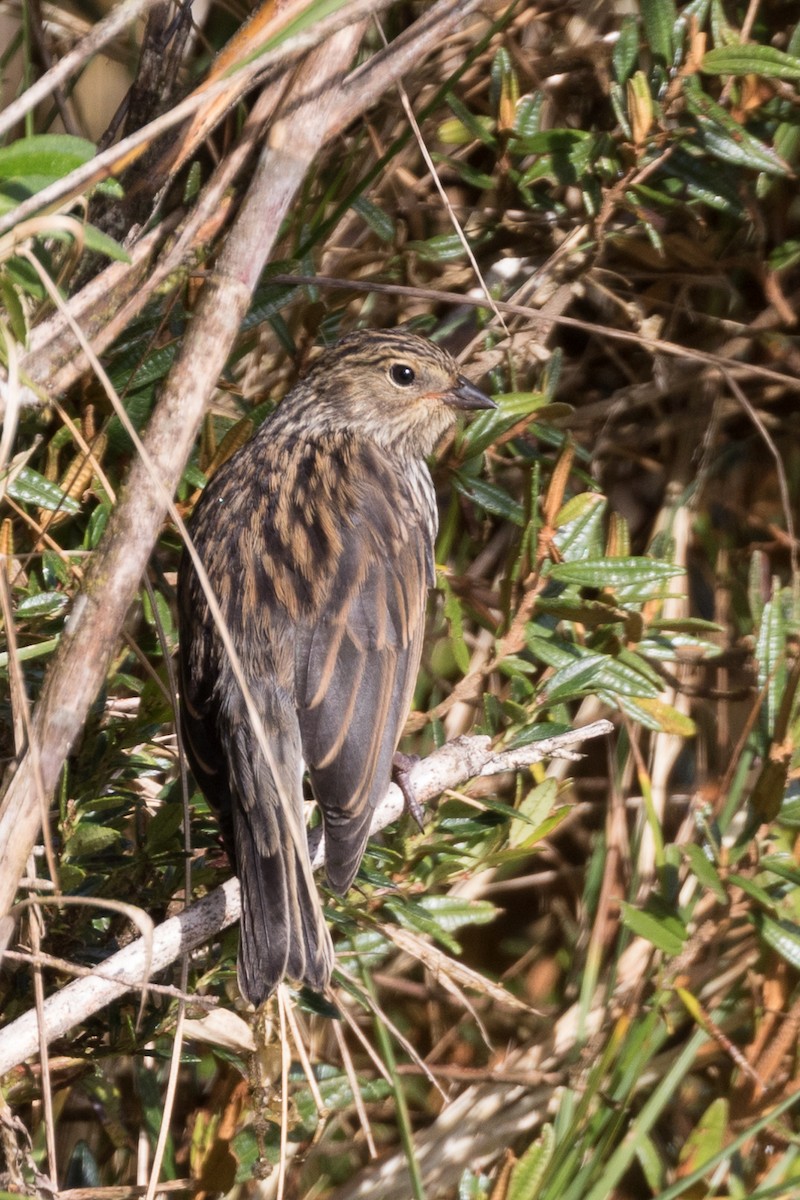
283	930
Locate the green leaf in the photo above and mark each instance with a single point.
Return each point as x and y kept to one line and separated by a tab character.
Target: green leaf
769	789
164	826
615	572
534	808
28	653
515	667
707	1138
528	117
654	714
133	373
658	924
453	132
138	406
413	916
555	141
691	625
369	945
504	84
470	1187
45	604
54	570
22	275
480	128
782	865
529	1173
705	870
581	537
164	612
566	156
443	247
271	298
452	614
83	1165
537	731
771	657
726	139
491	498
29	487
551	375
753	890
705	180
97	523
470	175
43	158
723	32
782	936
14	309
511	408
579	670
751	60
578	506
786	255
247	1152
545	827
657	714
651	1163
552	650
89	839
451	912
742	151
626	50
790	809
378	221
659	17
580	675
101	243
592	613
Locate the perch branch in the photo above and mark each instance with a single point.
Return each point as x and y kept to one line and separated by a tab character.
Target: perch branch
451	766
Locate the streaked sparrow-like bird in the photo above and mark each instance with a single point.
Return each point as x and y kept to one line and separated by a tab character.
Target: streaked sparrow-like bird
318	539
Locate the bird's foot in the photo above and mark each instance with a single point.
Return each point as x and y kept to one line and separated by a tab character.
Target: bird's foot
402	766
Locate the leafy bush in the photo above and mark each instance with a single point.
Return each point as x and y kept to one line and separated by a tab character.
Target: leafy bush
600	974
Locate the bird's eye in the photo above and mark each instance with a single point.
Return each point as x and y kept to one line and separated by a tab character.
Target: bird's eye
402	374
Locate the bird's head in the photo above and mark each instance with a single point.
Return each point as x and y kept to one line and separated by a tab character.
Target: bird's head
394	387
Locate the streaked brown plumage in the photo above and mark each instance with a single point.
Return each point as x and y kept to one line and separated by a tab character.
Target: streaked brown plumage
317	537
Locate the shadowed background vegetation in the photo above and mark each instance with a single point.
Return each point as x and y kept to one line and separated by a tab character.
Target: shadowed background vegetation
581	980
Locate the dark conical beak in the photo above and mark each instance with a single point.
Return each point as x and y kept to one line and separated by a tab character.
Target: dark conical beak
466	396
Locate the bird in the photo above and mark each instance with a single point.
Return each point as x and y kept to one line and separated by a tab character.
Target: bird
317	538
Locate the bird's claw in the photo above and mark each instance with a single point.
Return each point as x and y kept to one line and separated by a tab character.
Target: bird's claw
402	765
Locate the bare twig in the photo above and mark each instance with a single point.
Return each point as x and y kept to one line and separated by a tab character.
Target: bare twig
650	344
780	471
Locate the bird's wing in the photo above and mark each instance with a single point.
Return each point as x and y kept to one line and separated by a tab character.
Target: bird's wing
356	663
256	793
199	710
